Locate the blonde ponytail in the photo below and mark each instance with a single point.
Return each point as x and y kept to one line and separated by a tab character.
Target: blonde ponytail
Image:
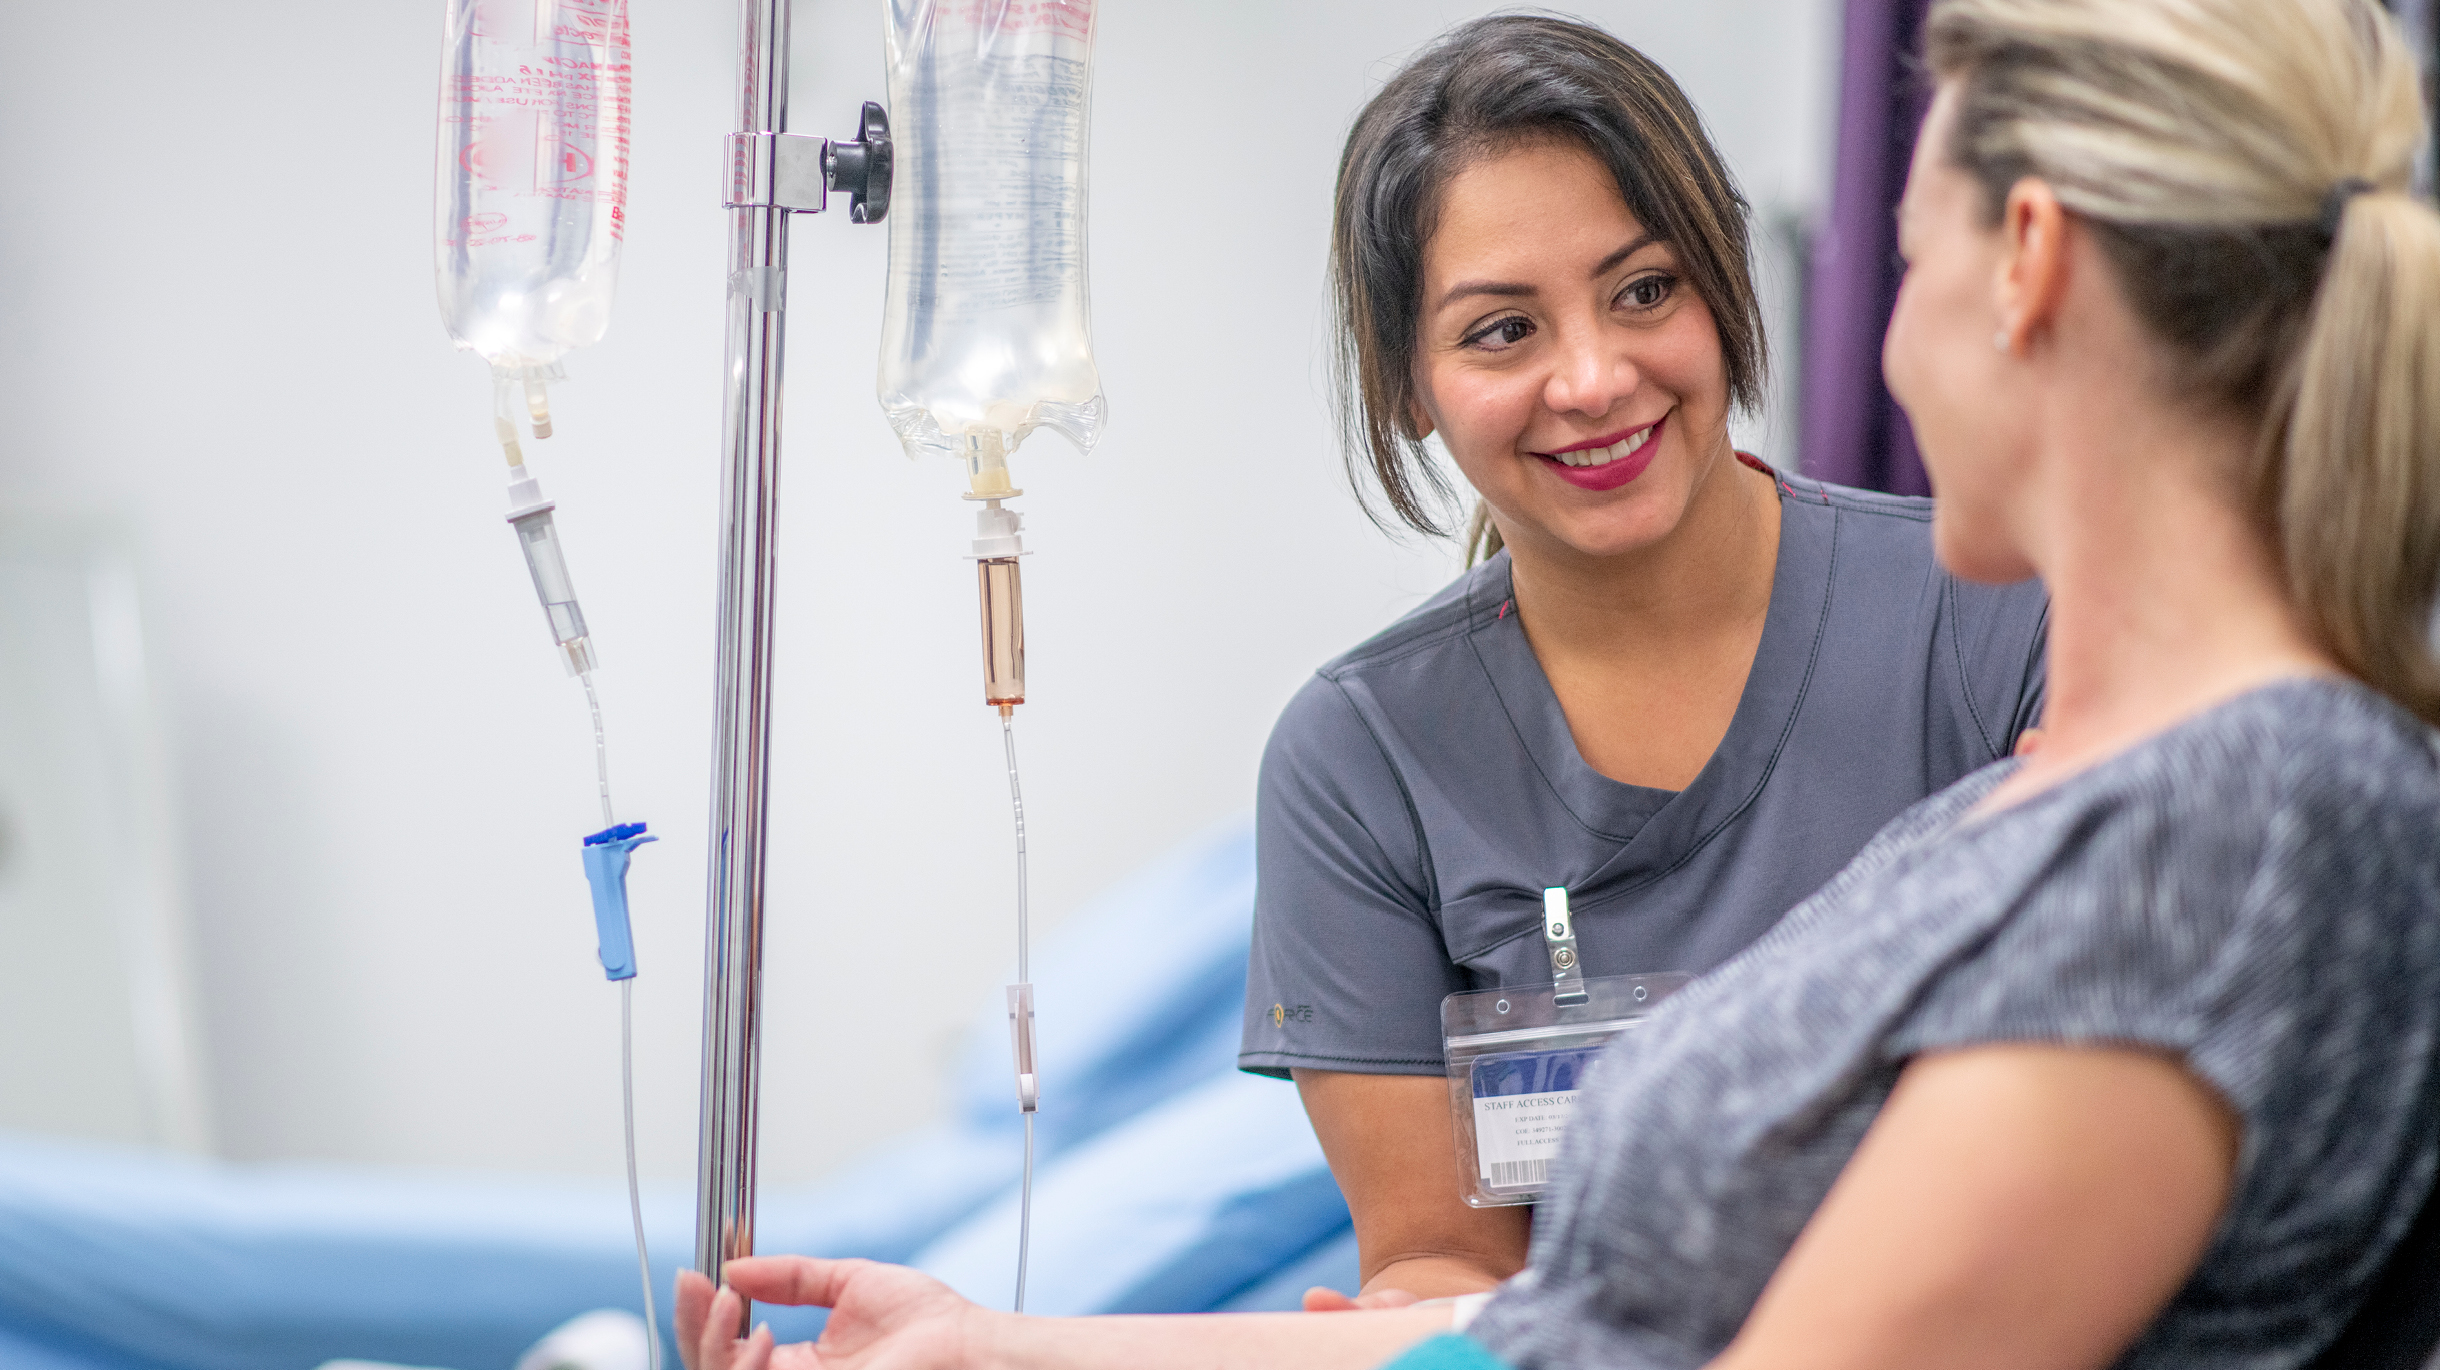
2358	495
2244	163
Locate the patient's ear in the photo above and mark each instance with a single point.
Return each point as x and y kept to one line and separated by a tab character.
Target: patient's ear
2033	264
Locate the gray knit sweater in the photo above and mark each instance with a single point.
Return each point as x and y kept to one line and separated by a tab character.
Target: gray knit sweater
2256	891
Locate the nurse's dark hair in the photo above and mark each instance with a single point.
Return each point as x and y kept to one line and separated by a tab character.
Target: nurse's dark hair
1482	88
2246	168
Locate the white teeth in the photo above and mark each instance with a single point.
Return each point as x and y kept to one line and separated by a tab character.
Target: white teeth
1603	456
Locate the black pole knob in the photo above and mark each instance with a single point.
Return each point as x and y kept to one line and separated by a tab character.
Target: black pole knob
861	170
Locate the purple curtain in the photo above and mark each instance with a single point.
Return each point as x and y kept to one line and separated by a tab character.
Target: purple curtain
1851	431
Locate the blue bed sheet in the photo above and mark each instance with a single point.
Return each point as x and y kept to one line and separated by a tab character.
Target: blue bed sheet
1167	1181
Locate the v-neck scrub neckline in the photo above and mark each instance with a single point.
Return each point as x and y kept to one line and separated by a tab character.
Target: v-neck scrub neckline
1421	791
1774	688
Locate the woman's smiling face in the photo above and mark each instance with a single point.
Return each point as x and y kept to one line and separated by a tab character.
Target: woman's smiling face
1573	374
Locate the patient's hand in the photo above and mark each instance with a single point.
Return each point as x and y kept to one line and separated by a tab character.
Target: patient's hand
699	1309
887	1317
878	1313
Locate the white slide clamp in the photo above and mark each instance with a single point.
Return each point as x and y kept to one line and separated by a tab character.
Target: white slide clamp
1021	1042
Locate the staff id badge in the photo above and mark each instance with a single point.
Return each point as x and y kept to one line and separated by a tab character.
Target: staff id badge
1520	1057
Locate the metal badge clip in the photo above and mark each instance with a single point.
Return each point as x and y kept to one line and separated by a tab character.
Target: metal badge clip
1559	936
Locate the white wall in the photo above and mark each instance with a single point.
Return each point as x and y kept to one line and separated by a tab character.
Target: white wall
220	332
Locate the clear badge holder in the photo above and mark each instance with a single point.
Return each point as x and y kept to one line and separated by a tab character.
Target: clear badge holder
1520	1056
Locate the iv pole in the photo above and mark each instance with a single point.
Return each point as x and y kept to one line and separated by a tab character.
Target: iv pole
772	174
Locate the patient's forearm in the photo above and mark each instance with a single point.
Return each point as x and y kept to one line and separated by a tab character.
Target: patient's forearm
1219	1341
888	1315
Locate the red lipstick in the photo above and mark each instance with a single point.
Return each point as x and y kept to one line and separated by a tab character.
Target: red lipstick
1609	475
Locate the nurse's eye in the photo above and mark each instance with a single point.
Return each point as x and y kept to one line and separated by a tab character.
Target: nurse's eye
1501	333
1648	291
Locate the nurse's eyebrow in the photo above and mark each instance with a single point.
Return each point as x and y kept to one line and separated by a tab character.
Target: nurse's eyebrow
1463	289
1611	261
1511	289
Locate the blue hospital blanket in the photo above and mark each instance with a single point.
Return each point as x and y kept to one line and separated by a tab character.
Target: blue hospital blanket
1168	1181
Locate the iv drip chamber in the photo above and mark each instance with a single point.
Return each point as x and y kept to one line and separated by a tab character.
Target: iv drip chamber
1003	631
538	538
998	542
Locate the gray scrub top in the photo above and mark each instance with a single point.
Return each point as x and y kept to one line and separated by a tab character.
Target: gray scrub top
1420	792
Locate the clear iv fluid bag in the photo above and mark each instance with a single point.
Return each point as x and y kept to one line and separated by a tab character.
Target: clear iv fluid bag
988	318
531	172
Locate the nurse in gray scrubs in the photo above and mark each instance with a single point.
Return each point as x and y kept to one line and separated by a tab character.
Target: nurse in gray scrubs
1682	686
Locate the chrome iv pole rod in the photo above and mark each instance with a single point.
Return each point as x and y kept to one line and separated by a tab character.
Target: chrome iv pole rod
772	174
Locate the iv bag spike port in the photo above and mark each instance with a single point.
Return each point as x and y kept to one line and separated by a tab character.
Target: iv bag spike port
538	406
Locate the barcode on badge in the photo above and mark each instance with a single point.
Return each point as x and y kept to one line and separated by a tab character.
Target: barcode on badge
1506	1174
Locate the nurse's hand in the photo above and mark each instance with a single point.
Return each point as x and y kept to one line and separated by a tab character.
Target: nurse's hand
880	1315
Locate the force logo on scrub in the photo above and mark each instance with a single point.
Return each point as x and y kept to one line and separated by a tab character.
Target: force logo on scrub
1282	1014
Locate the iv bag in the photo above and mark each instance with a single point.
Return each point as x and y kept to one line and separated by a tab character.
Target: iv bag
987	331
531	174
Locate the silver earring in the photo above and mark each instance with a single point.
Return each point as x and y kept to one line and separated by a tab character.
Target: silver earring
1999	341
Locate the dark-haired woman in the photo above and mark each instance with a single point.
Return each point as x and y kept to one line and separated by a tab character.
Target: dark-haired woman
1684	688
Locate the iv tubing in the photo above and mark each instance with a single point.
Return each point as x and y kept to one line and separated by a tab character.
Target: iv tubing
1016	801
601	749
635	1198
1025	1191
1025	1212
626	1054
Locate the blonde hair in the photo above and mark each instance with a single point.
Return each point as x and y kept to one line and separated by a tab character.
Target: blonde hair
2244	164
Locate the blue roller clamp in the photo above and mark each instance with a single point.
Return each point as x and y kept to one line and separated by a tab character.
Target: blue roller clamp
606	855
